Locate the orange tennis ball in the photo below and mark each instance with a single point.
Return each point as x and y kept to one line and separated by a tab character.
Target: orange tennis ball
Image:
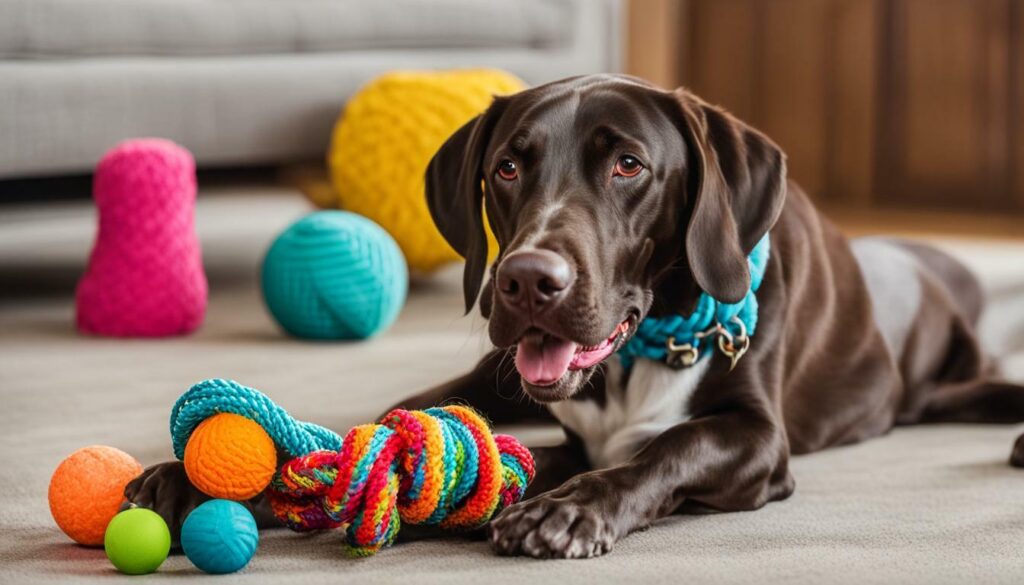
230	457
87	489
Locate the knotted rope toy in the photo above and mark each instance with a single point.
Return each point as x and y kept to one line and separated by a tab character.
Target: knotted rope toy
440	466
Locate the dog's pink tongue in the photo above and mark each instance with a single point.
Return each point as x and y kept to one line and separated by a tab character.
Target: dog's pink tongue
543	362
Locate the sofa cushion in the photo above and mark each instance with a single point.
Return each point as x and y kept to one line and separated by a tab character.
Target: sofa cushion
72	28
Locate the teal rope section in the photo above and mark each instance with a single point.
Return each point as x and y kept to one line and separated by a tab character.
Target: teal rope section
652	333
215	396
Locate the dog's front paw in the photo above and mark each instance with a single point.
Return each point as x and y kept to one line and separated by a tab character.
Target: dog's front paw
567	523
165	489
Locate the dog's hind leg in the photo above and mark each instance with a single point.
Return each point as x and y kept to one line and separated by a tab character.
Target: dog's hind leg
982	401
947	376
951	381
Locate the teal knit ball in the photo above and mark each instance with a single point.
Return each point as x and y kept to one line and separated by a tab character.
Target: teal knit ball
219	536
334	275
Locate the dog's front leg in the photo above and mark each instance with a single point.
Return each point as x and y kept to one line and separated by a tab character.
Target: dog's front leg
732	461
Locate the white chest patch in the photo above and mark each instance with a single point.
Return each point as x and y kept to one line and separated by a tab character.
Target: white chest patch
655	399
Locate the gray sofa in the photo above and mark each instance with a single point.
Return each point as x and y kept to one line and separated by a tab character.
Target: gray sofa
243	82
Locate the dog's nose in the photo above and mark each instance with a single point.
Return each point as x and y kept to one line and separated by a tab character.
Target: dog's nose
533	279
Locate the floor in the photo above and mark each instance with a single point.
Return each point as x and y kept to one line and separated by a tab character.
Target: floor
926	505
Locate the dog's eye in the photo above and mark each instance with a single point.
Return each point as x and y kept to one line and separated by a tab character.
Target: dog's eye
508	170
628	166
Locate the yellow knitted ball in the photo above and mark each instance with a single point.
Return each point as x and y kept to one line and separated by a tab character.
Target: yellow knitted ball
387	135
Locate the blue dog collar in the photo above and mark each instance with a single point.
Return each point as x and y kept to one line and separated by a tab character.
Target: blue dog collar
680	341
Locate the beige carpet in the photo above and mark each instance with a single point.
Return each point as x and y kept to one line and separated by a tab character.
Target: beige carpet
923	505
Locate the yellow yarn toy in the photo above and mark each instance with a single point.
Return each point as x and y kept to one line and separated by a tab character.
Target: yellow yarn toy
386	137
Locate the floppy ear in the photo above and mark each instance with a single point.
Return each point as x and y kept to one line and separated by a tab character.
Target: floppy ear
738	193
455	195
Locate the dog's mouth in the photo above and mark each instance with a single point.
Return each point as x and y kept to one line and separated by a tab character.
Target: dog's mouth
543	359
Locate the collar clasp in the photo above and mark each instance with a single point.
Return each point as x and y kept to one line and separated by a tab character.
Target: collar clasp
682	355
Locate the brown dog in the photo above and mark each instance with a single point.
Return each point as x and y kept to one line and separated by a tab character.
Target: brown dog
613	201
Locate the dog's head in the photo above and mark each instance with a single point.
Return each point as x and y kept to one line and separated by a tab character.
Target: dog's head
610	199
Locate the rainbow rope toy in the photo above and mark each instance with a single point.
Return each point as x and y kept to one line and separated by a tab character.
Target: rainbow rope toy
440	466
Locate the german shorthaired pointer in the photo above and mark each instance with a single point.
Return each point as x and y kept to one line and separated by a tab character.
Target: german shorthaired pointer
615	202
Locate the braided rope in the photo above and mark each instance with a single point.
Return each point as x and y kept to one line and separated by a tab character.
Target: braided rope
441	466
215	396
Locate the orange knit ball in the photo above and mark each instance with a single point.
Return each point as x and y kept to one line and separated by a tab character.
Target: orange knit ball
87	489
231	457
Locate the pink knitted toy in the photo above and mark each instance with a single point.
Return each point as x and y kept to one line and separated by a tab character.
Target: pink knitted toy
145	276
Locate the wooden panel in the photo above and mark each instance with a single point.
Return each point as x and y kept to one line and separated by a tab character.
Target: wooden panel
996	93
654	42
855	26
768	63
891	103
1016	68
943	139
793	80
943	125
721	65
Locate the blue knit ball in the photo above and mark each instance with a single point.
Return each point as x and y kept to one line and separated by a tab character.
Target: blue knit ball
334	275
219	536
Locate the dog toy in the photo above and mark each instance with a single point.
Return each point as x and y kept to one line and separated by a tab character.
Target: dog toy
386	136
87	489
137	541
334	275
231	457
441	466
219	536
145	275
215	396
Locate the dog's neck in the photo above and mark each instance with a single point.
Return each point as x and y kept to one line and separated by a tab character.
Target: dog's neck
680	341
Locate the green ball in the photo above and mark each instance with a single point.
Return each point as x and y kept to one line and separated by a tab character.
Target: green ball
137	541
